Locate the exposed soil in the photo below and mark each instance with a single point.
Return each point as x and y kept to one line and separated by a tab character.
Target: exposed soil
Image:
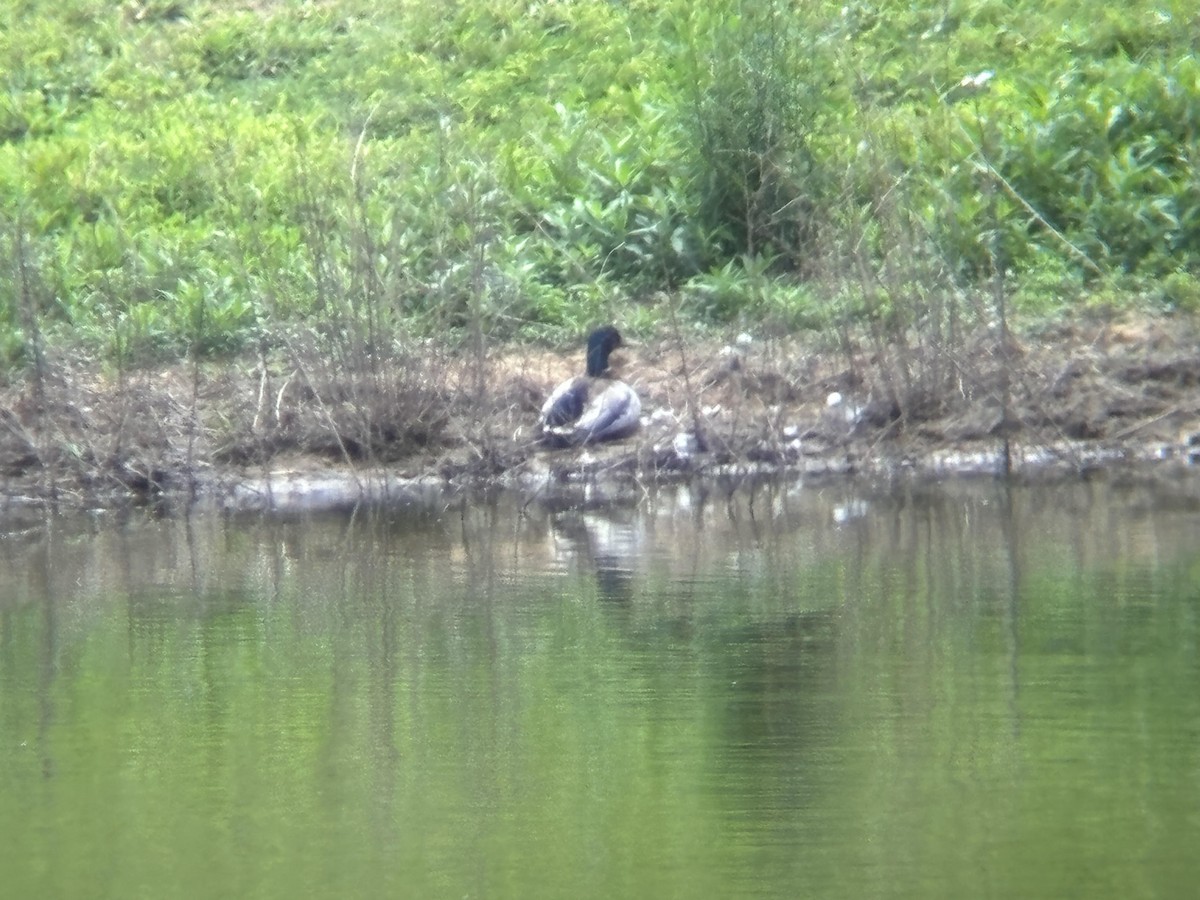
1073	397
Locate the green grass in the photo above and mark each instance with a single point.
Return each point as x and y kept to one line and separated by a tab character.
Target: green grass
192	176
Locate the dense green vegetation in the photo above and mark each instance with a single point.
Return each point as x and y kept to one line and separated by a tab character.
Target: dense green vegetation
196	175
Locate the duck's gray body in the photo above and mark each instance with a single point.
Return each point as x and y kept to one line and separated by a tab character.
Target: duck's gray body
591	408
586	410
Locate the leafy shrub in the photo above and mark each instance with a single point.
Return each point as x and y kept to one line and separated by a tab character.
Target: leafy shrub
1107	156
608	201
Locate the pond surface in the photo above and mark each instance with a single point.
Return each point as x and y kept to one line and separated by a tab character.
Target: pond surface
827	691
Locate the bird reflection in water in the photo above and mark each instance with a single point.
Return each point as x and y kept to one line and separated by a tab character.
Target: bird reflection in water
608	543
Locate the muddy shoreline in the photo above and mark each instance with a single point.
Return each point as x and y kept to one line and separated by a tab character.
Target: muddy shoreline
619	480
285	433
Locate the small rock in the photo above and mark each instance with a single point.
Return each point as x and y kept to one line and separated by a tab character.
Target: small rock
685	444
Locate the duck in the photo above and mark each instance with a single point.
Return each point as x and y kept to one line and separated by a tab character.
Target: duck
592	407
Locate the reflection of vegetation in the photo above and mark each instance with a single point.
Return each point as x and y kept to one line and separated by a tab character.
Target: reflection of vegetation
425	705
193	175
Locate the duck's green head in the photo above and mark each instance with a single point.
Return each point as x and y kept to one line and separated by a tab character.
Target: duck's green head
601	343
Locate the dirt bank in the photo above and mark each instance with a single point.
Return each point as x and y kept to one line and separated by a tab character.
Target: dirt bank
257	431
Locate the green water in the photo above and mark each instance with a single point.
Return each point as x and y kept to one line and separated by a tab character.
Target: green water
824	692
